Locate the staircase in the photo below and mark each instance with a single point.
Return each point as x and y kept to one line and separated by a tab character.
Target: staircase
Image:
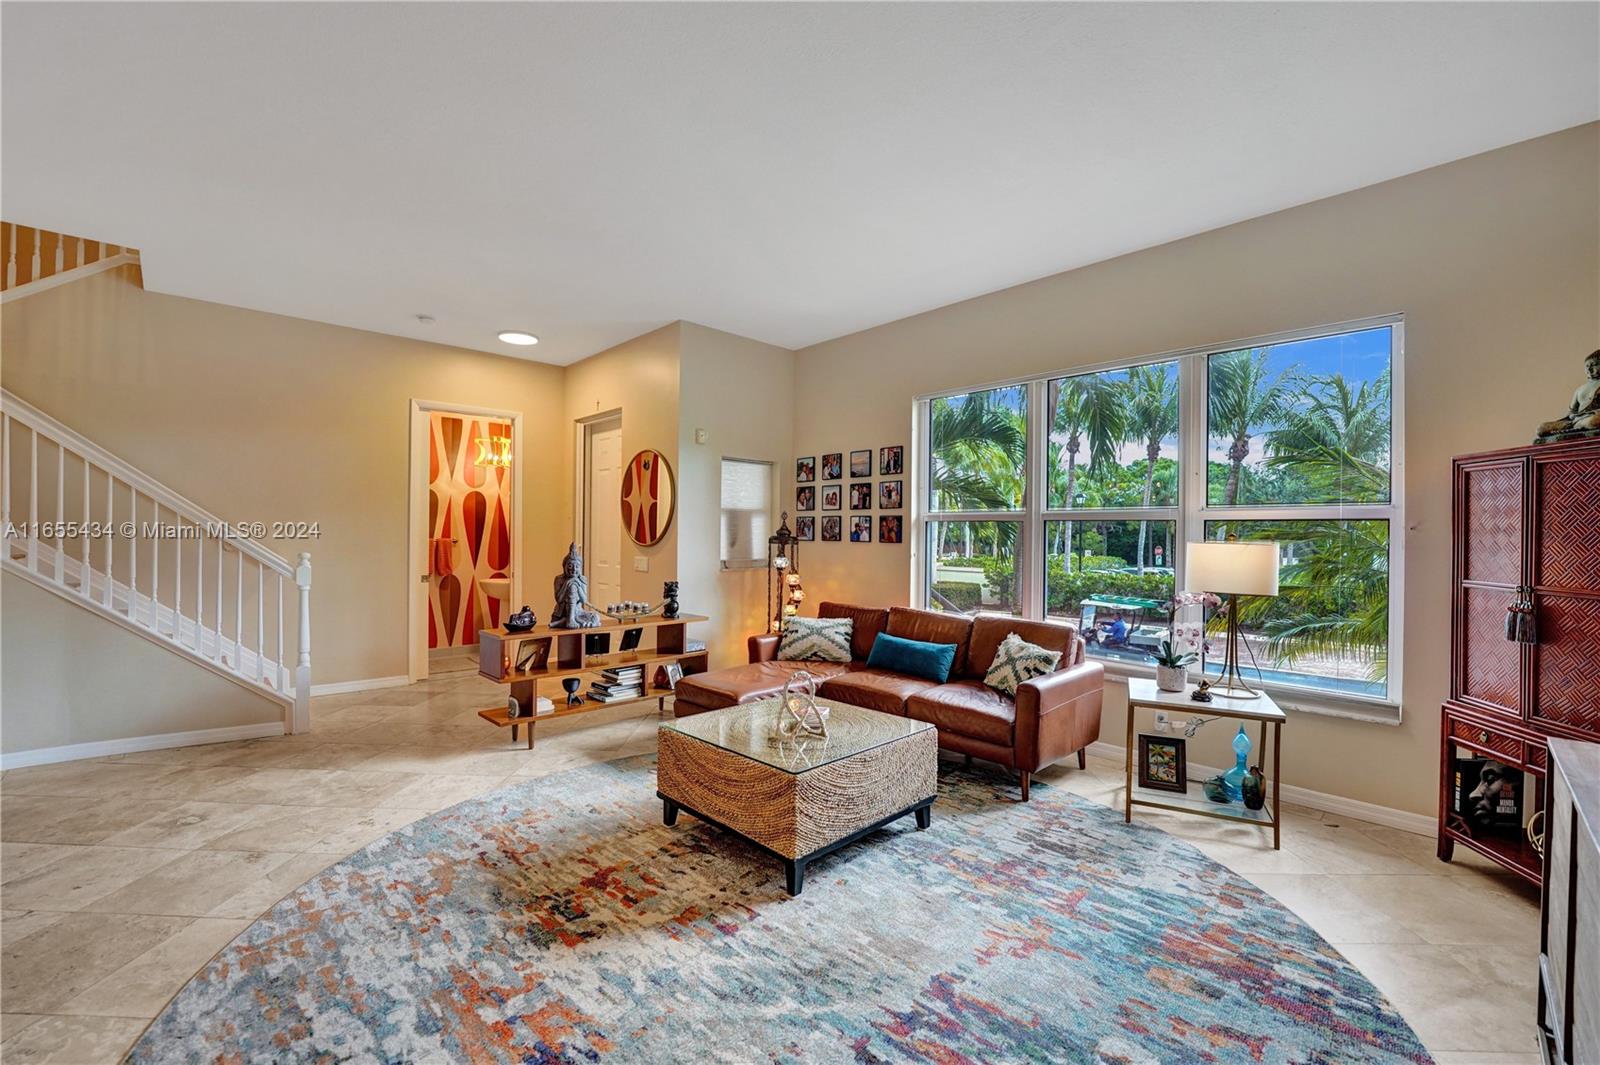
83	524
33	260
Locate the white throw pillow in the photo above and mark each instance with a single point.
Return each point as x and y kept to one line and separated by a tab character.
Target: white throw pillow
1016	660
816	639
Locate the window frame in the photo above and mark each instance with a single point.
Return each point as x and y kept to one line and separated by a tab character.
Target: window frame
1192	509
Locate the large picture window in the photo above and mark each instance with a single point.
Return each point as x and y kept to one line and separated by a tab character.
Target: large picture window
1072	496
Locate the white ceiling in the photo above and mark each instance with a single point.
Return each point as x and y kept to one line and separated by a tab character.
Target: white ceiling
788	172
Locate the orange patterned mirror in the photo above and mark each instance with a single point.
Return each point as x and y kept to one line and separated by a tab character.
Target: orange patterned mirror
648	496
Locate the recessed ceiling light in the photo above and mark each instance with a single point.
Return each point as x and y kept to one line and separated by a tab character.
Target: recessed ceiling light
512	336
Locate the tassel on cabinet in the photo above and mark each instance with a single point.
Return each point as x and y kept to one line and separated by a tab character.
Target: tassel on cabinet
1521	623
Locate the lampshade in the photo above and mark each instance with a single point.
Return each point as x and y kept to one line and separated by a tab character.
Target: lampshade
1232	567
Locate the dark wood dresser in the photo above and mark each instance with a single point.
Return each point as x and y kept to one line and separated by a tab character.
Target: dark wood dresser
1526	529
1569	934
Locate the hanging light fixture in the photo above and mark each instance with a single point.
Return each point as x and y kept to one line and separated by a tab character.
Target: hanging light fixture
494	451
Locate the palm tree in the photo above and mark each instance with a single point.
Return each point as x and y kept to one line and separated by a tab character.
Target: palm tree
978	449
1089	405
1245	396
977	460
1152	416
1337	439
1333	596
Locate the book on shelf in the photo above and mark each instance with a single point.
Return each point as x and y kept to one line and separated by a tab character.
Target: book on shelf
637	687
615	696
1487	794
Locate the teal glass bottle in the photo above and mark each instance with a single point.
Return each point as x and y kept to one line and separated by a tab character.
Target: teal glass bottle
1233	779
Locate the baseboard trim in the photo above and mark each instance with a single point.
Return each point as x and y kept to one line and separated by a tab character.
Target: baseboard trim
73	752
344	687
1388	816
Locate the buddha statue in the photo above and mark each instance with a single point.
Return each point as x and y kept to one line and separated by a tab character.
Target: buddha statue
1583	417
572	595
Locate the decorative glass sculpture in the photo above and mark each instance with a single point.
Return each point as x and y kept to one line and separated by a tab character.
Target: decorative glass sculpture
1233	779
801	716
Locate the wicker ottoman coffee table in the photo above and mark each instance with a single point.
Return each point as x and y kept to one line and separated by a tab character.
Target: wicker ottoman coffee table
797	800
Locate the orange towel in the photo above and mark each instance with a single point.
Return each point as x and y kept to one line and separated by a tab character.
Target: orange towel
443	549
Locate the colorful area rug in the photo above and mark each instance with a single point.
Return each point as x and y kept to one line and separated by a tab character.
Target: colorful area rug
559	920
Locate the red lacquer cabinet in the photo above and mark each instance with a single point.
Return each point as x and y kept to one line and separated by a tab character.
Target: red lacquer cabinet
1526	528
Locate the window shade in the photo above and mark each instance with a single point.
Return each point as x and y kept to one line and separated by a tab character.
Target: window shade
746	511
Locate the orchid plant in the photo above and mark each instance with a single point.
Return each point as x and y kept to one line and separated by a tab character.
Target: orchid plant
1170	658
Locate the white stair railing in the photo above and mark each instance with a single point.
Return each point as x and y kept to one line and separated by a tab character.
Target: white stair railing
82	523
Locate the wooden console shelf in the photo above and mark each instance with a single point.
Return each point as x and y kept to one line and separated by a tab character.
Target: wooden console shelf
498	651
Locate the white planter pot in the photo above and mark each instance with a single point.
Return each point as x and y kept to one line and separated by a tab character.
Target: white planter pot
1172	678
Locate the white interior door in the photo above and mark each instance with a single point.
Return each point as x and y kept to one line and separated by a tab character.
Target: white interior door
603	550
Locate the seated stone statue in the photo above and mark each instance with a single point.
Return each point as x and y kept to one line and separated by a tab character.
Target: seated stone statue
1583	417
572	595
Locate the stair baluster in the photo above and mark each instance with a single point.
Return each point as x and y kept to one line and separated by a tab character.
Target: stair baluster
50	561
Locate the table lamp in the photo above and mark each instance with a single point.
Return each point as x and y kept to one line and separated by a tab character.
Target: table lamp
1232	568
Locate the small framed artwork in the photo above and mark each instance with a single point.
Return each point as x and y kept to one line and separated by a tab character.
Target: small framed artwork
805	498
630	639
861	495
532	654
861	529
1162	765
805	469
833	466
805	528
597	643
892	460
889	495
832	527
861	463
889	528
832	497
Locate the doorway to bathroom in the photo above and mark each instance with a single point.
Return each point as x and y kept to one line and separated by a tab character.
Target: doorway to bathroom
465	545
599	518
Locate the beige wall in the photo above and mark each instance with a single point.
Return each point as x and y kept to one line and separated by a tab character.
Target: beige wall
741	392
257	416
1495	262
639	378
70	677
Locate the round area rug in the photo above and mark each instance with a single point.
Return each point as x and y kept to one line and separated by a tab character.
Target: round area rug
559	920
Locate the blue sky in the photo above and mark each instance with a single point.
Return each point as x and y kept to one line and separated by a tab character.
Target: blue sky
1359	356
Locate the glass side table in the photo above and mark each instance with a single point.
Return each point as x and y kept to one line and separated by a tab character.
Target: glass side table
1144	695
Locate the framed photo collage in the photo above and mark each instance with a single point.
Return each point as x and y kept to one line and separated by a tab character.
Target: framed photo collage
857	507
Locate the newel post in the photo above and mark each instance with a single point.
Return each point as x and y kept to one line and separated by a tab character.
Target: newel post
301	720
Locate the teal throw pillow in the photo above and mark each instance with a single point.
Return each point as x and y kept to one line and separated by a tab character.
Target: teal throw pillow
931	661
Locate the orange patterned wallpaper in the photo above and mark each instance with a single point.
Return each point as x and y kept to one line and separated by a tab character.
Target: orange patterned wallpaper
469	515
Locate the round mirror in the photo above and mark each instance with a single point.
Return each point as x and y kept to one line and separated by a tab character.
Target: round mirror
648	496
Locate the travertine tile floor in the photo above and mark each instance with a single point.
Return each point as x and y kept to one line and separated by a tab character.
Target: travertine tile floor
121	877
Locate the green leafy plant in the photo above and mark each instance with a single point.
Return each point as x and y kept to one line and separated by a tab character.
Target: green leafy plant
1170	658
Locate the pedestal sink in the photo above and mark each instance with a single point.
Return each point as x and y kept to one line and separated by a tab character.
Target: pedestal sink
497	587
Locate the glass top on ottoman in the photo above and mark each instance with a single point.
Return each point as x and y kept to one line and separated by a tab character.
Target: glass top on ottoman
751	729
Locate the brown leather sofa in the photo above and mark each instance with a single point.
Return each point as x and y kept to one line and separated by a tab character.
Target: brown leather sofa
1052	716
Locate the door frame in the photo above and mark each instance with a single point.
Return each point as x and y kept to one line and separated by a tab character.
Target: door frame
582	428
417	520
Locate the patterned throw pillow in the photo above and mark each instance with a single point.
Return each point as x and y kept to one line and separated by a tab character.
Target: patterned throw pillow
816	639
1018	660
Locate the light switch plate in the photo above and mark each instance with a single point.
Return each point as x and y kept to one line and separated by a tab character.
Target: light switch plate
641	564
699	436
